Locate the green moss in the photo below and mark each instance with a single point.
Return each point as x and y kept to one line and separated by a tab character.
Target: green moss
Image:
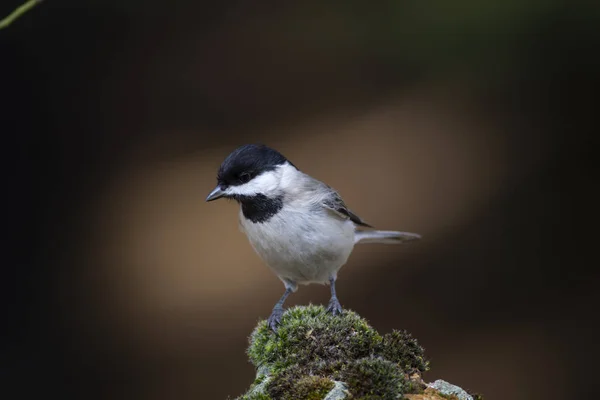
312	349
260	379
255	396
401	348
309	334
288	385
414	387
372	377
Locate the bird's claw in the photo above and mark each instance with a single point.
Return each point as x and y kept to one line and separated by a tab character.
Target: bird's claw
275	318
334	307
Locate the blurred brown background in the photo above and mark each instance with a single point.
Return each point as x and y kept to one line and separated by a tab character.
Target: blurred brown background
469	123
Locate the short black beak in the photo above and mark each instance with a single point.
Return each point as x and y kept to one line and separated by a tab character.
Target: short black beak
217	193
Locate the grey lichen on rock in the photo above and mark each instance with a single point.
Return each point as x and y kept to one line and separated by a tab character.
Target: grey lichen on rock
339	391
317	356
450	389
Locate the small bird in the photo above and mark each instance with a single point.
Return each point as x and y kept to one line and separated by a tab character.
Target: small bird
297	224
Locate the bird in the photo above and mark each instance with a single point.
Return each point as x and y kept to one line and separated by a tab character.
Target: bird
298	225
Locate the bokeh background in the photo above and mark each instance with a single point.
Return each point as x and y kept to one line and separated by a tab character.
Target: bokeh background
469	122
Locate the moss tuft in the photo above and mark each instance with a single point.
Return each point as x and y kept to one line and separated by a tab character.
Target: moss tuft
372	377
289	385
310	334
401	348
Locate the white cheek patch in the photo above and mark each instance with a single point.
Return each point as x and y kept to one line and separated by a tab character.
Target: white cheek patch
289	175
265	183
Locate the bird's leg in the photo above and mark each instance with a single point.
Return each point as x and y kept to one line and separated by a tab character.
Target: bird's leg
275	317
334	306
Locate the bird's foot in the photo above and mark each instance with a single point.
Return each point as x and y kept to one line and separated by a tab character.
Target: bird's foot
334	307
275	318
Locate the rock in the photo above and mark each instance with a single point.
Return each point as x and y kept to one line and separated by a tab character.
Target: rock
428	394
339	392
450	390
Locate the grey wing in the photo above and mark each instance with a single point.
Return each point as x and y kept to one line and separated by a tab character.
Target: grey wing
334	203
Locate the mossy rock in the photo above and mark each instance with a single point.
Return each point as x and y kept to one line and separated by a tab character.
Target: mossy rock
317	356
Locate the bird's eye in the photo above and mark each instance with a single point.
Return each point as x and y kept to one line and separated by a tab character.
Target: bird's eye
244	177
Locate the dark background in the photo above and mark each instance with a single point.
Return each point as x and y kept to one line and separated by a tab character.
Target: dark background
469	123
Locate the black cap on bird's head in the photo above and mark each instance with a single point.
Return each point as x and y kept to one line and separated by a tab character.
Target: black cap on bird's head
244	164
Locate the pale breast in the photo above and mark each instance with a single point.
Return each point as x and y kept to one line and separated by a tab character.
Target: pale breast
303	247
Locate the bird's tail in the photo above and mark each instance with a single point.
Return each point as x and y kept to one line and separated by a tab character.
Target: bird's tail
391	237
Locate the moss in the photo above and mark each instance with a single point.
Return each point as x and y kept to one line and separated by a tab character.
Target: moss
372	377
414	386
260	379
312	349
309	334
400	347
289	385
255	396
